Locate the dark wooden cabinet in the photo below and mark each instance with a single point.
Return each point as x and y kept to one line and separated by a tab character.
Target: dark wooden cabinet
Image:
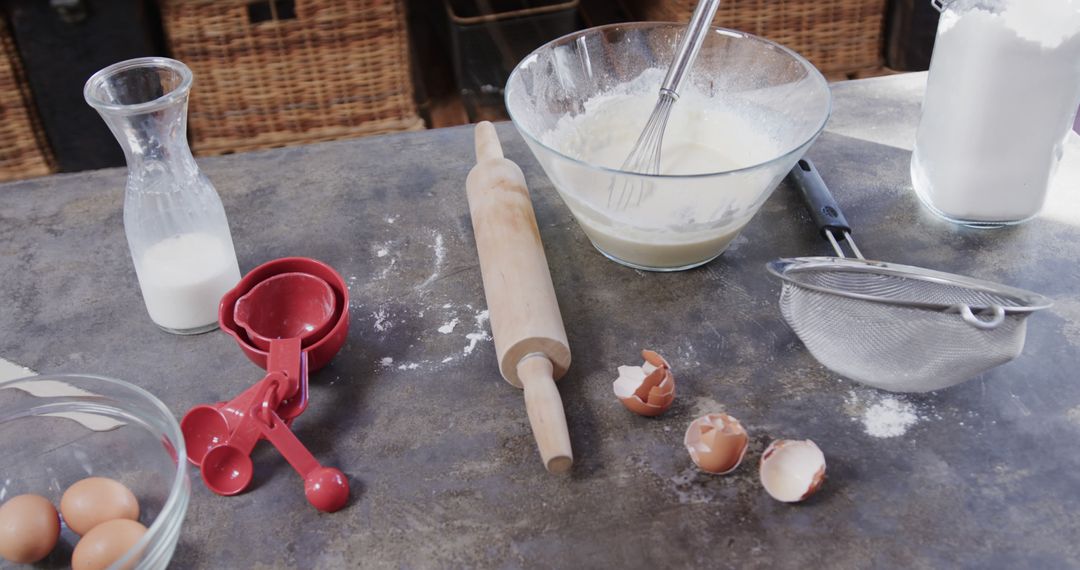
61	44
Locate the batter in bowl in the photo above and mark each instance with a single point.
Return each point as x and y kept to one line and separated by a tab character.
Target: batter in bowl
683	217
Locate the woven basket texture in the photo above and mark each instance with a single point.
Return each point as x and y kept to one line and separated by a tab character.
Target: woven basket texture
332	69
24	150
841	38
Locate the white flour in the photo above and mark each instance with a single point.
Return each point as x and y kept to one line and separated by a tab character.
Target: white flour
889	418
382	320
480	335
429	358
440	258
882	415
449	327
1002	91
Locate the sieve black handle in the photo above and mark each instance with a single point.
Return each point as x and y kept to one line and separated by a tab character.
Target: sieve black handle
824	210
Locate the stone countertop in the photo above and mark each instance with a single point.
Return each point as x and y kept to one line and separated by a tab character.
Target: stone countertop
438	447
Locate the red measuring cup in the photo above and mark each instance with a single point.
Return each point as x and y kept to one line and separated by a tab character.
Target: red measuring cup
287	305
321	350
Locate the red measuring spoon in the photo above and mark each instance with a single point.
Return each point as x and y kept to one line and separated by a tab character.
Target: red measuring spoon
226	468
210	425
326	488
288	305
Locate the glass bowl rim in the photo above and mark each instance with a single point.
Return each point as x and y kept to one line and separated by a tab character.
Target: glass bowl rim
176	503
574	36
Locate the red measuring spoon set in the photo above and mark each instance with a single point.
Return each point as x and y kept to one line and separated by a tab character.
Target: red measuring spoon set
287	315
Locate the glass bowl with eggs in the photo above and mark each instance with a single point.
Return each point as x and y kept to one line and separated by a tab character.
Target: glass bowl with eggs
746	113
94	474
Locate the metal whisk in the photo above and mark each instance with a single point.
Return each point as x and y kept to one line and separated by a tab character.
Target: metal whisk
644	158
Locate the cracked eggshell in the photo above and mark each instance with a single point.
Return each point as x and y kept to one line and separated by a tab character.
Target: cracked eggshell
717	443
792	470
649	389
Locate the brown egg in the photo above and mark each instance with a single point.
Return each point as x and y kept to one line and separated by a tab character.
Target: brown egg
29	528
95	500
106	543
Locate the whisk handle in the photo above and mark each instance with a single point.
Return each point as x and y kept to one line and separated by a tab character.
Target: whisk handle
824	210
689	46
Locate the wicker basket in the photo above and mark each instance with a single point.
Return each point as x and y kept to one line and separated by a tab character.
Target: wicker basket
277	72
843	38
24	152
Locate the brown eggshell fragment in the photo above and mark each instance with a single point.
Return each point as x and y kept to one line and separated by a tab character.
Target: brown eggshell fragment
655	359
94	500
649	389
792	470
717	443
29	528
106	543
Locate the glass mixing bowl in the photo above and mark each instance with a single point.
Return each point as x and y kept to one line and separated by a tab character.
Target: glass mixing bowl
56	430
747	112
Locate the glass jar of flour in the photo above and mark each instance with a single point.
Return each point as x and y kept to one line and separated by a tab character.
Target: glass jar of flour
1002	92
173	218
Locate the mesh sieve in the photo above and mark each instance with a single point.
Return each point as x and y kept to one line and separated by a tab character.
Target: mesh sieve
895	327
900	328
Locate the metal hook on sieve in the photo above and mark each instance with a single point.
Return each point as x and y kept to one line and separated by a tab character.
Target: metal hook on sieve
998	317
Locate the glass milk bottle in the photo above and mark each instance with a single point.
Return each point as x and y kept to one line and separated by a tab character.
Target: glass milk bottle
174	220
1003	88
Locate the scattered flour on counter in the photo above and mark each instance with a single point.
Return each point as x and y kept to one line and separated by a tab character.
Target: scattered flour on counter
409	366
386	270
1074	415
382	321
440	258
884	417
480	335
889	418
382	252
449	327
391	219
387	361
351	283
474	339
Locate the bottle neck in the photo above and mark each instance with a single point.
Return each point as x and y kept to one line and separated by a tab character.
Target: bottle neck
155	140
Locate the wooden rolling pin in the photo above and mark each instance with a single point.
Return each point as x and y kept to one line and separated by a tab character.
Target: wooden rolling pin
529	337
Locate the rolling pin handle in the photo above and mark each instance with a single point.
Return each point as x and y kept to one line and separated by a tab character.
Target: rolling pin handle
546	414
488	147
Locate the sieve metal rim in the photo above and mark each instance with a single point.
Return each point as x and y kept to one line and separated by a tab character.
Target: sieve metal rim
1029	302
